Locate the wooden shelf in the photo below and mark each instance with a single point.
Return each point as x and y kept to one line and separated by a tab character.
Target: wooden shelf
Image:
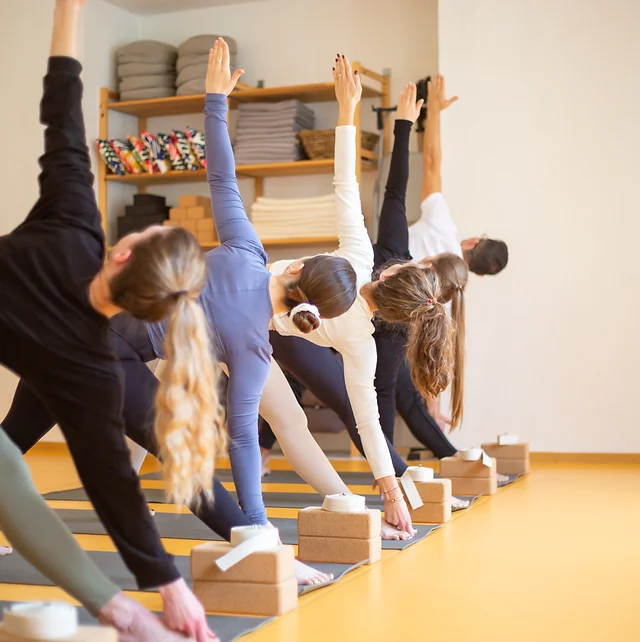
312	240
299	168
177	105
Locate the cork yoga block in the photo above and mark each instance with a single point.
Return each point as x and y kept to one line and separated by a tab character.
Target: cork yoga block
84	634
191	200
205	225
177	214
436	491
246	598
197	213
206	237
316	522
513	466
263	567
431	513
170	223
339	550
515	451
455	467
471	486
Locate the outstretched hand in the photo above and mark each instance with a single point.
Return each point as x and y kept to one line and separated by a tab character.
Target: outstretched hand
408	108
436	97
219	77
348	85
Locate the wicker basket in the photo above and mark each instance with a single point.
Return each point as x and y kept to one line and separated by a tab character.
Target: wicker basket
319	143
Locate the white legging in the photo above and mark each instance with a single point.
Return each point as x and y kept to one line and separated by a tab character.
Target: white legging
280	408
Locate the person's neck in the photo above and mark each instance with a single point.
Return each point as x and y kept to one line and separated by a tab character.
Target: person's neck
466	255
100	296
277	294
366	292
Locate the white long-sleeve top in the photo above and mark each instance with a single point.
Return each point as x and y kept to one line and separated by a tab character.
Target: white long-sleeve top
351	333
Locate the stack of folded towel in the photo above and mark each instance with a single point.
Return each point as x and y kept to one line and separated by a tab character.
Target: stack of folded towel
146	69
268	132
193	58
276	219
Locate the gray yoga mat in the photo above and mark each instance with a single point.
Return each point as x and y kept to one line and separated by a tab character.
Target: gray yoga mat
14	569
227	627
172	526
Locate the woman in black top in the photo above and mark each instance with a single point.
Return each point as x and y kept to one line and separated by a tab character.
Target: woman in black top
56	294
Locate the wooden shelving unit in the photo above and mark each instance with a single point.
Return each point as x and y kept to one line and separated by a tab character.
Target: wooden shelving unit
182	105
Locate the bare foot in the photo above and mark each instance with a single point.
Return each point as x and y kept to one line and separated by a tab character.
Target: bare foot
389	531
308	576
457	503
502	478
135	624
152	512
5	550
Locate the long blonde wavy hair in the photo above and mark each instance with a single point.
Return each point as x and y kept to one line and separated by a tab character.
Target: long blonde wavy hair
164	277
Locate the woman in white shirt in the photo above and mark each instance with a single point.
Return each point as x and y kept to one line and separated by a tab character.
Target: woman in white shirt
409	296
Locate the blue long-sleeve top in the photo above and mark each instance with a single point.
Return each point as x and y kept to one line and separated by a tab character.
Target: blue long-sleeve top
238	307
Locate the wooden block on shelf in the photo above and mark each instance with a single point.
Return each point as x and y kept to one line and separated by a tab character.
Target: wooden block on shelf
514	451
513	466
316	522
431	513
178	214
263	567
456	467
191	200
472	486
84	634
170	223
206	225
206	237
189	225
200	212
339	550
246	598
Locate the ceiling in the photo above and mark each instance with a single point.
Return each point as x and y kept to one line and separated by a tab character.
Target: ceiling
165	6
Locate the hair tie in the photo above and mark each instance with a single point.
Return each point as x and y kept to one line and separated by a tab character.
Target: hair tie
180	293
431	301
306	307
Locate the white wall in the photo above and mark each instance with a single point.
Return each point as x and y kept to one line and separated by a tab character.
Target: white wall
24	47
541	151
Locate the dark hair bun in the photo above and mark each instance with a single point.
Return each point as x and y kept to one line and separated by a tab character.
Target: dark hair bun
305	321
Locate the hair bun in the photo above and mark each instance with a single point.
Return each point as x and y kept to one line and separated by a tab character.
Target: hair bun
305	321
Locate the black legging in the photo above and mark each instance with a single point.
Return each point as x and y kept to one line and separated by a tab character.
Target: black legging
130	342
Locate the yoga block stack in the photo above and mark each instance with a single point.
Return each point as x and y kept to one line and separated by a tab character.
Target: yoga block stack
263	583
469	478
83	634
512	459
339	538
436	495
146	69
194	214
193	60
147	209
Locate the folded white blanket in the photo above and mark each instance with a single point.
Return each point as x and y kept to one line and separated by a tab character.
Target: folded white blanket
266	200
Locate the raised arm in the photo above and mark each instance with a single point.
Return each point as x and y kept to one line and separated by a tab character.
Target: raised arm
354	243
393	231
432	151
232	223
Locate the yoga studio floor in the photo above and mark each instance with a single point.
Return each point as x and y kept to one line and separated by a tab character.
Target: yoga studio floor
553	556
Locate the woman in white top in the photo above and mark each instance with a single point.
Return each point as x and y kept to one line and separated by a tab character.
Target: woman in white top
410	296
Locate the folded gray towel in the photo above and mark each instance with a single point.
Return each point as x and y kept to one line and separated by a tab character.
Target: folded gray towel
283	105
145	94
147	51
134	83
202	44
192	87
192	72
144	69
241	137
196	59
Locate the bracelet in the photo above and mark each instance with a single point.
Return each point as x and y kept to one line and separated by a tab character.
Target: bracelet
393	501
386	492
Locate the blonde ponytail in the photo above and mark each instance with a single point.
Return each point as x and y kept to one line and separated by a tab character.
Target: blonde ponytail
189	420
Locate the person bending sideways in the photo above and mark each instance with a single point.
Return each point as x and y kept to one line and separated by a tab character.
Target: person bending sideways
56	295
